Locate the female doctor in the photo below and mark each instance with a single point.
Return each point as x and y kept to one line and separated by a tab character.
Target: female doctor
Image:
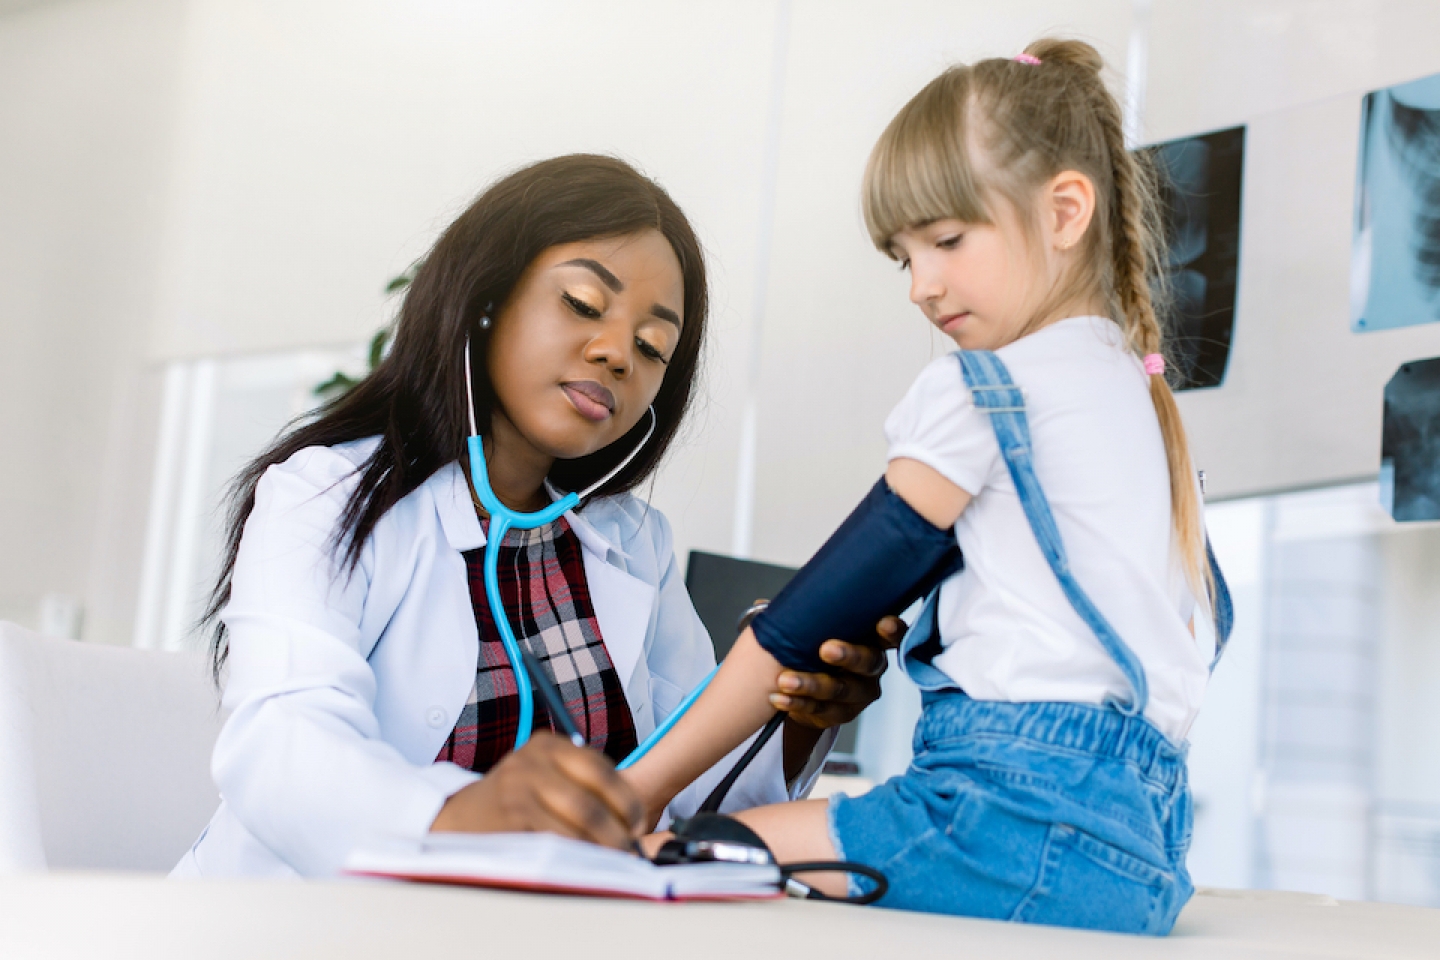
369	691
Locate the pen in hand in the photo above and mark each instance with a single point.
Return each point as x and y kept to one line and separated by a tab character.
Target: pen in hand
556	705
551	696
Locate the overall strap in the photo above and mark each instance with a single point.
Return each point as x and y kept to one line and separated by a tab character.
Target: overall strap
1221	603
996	394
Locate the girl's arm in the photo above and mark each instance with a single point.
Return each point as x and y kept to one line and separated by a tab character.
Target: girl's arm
928	493
737	702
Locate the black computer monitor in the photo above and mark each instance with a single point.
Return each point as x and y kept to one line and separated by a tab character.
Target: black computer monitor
722	589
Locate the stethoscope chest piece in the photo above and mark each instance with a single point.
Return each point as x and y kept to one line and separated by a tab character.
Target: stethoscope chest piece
708	837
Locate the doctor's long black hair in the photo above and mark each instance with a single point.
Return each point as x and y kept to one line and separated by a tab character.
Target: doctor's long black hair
414	401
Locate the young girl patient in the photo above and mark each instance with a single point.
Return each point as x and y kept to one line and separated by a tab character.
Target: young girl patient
1060	667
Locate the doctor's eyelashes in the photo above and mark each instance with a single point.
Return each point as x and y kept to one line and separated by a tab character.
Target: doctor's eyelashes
581	307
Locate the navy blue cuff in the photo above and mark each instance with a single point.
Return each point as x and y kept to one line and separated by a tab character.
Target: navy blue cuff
883	558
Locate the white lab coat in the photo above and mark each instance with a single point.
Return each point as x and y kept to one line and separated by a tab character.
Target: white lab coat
343	687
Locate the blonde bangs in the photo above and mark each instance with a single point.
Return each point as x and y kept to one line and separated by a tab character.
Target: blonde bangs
920	169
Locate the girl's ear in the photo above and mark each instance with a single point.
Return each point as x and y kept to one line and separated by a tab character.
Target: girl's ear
1070	197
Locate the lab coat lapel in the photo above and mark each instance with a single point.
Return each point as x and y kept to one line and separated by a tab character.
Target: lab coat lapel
623	605
457	511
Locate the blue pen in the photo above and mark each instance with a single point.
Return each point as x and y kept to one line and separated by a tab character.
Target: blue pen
551	696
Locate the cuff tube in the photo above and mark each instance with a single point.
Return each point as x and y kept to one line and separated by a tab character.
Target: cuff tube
883	558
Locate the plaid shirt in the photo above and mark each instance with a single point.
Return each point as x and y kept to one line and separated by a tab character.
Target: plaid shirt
547	598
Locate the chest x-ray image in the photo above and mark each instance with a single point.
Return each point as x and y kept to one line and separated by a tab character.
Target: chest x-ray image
1395	261
1200	188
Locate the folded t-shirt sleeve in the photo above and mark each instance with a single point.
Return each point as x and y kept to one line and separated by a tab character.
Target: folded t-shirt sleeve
937	424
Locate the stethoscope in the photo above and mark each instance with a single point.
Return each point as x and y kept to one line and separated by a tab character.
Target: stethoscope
502	520
709	835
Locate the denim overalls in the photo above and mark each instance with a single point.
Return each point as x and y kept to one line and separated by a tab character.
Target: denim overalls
1057	813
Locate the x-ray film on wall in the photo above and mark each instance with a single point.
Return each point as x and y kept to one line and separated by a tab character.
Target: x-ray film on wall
1410	442
1395	261
1200	179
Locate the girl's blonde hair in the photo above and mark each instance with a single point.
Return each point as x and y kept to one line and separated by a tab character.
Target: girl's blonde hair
1003	128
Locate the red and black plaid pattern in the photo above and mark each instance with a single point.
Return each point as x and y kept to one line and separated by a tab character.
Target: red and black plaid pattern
547	598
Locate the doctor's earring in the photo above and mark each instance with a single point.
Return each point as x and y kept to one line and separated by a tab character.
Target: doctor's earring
485	320
485	323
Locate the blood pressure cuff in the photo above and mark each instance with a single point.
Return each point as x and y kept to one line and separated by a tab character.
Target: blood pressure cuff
884	557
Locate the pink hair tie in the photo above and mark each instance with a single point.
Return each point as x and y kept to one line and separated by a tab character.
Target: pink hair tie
1027	59
1154	364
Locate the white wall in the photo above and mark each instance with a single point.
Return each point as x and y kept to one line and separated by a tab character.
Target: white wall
86	119
320	154
209	178
1302	403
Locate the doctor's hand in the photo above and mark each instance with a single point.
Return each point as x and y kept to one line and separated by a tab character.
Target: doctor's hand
823	700
549	785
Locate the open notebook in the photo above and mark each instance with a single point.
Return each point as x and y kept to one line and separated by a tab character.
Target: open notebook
548	863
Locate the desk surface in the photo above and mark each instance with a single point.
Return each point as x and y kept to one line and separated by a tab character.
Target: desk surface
79	915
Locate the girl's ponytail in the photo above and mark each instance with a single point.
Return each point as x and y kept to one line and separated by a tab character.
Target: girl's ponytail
1136	237
1071	53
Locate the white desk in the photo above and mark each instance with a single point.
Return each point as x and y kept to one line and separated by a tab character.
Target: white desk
114	916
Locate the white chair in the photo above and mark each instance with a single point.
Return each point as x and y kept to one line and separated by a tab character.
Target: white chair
104	754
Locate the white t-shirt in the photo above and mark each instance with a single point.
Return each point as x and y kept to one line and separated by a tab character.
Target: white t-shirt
1008	631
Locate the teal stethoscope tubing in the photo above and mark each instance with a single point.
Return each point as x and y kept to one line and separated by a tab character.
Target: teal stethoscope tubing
502	521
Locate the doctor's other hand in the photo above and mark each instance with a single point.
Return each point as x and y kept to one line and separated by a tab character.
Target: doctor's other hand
823	700
548	785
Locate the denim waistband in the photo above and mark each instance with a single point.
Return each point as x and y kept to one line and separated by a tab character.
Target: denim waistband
1098	731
